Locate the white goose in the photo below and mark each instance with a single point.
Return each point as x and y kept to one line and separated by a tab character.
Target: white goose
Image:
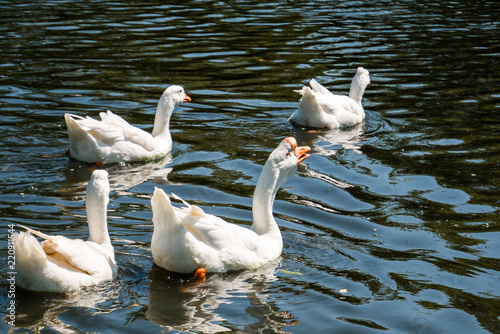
319	108
63	265
114	140
187	239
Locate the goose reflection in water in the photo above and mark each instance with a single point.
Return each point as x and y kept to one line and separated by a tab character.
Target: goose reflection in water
192	306
328	142
37	311
122	176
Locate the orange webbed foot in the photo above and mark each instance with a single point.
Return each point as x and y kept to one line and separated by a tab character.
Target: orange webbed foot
200	274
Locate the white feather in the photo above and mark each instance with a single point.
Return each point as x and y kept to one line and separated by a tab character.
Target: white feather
112	139
59	264
319	108
185	239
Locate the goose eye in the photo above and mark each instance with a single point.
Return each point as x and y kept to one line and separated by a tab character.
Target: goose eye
288	154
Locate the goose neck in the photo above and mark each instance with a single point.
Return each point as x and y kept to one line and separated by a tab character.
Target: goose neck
357	90
164	111
263	200
97	218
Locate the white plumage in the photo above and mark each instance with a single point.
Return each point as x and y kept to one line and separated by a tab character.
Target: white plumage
319	108
112	139
59	264
185	239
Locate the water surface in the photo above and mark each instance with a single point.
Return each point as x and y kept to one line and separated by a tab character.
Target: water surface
391	225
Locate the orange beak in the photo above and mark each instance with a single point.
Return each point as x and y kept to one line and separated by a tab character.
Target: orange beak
299	151
186	98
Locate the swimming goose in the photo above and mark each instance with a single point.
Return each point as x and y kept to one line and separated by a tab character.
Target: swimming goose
112	139
63	265
319	108
187	239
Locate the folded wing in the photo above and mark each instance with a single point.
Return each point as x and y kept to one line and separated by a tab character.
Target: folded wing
77	255
111	130
214	231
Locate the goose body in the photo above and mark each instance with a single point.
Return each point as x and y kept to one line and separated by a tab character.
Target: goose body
185	239
112	139
64	265
319	108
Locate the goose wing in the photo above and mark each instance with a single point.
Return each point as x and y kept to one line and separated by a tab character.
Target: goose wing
214	231
77	255
310	112
112	130
343	107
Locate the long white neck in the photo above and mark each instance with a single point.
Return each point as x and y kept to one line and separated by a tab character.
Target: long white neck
263	199
357	90
162	118
96	204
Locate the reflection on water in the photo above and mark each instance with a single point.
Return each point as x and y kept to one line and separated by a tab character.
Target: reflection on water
36	311
194	306
400	211
121	176
328	142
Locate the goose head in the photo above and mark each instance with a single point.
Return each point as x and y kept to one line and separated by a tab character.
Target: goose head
363	77
359	82
279	167
171	98
176	94
98	187
285	159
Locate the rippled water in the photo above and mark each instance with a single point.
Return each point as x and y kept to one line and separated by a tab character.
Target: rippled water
390	225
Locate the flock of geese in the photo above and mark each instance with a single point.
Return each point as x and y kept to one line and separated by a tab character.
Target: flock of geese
186	239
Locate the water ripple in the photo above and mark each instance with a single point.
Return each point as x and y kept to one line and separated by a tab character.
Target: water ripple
398	213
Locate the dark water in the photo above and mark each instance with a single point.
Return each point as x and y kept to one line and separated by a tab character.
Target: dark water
401	211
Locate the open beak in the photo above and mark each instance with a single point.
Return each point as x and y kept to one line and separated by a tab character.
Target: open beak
299	151
186	98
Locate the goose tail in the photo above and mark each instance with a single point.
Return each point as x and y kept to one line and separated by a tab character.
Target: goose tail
164	215
30	256
309	104
75	131
318	88
37	233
